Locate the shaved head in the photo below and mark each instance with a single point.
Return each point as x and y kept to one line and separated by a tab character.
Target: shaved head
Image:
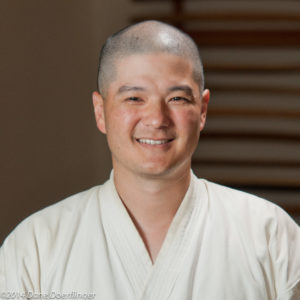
146	38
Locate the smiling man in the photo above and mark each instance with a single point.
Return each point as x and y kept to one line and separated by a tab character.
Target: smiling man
154	230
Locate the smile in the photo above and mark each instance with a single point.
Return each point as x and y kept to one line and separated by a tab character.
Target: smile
153	142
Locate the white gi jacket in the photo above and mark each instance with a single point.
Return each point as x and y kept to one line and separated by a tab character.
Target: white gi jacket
222	244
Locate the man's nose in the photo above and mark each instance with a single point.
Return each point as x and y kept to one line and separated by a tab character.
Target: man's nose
157	115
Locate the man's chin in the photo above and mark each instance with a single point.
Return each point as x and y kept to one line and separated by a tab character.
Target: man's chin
157	172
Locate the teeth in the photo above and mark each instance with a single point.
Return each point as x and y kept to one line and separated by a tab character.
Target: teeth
152	142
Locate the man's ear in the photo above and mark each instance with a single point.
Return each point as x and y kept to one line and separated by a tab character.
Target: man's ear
204	106
99	111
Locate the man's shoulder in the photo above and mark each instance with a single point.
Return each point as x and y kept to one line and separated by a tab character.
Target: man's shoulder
45	238
70	206
244	206
266	231
52	221
231	196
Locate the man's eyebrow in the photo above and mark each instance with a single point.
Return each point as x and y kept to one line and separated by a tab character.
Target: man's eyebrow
129	88
185	88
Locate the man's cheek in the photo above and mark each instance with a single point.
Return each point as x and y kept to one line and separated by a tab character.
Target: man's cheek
124	116
189	119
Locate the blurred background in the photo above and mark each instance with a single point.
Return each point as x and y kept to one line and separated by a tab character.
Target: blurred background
50	147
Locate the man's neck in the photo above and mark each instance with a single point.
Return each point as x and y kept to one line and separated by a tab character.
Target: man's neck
152	203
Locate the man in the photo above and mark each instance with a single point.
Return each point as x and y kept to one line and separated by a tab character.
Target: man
154	230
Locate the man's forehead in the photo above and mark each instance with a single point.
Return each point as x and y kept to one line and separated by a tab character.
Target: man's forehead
160	64
148	58
140	72
172	88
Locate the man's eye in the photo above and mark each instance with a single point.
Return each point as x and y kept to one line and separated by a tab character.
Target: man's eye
133	99
178	99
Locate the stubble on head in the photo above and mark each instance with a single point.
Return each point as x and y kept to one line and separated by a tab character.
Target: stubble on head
145	38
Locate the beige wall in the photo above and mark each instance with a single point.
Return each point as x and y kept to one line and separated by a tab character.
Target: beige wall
50	147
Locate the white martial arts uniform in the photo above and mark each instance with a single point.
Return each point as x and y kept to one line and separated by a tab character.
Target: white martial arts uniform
222	244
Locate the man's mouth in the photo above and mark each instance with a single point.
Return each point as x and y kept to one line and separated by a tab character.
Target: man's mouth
154	142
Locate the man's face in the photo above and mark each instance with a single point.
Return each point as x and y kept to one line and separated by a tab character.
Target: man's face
152	114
